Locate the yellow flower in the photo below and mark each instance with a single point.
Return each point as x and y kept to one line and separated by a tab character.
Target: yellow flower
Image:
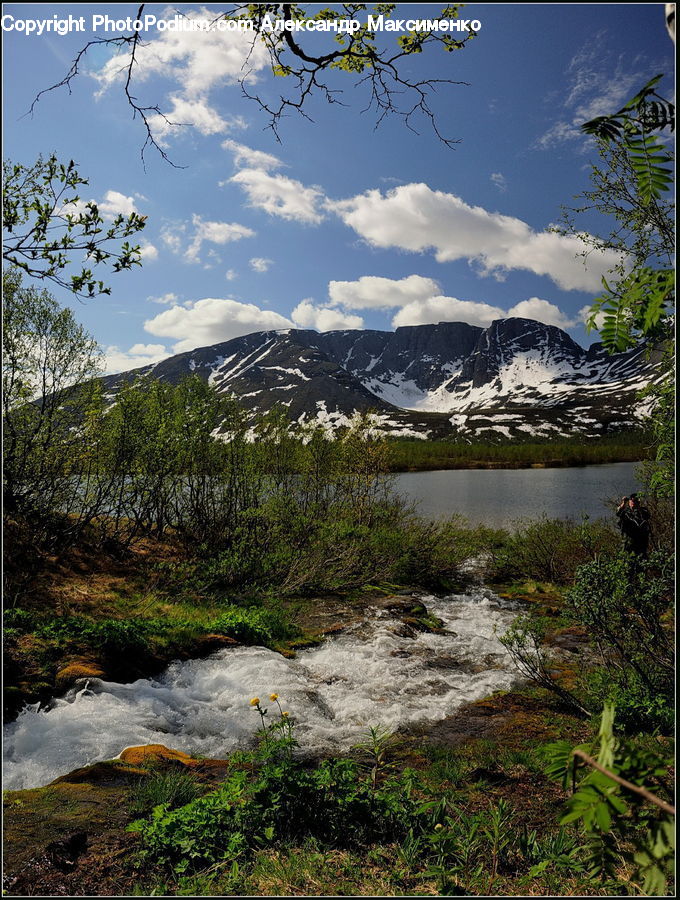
438	827
274	697
255	701
285	714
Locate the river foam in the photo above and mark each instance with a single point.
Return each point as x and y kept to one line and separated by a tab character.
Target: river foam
377	672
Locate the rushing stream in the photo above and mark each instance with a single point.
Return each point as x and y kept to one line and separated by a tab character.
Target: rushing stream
377	672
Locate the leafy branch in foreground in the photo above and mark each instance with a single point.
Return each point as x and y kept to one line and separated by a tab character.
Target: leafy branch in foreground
636	304
633	125
46	224
611	801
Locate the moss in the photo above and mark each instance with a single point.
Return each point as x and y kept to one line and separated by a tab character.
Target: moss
70	673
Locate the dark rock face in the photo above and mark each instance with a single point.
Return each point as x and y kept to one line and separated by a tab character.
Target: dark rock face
516	378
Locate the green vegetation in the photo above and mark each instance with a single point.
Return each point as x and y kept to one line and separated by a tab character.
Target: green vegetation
446	827
417	456
46	226
171	789
631	188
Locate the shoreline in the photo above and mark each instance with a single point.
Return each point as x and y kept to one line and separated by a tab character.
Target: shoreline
442	466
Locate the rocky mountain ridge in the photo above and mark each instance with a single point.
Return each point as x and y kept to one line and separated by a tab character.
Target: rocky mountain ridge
515	378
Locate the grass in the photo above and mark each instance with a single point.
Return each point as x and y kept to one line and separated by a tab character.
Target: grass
175	788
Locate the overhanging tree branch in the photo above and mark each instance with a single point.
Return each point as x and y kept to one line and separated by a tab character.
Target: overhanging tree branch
391	90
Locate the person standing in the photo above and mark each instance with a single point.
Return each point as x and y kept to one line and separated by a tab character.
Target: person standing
634	522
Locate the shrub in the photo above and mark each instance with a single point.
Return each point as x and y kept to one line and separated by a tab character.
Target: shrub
552	549
273	796
625	604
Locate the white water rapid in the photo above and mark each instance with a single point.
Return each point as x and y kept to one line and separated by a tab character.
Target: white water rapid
378	672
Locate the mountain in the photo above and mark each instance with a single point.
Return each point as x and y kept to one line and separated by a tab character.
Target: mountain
515	378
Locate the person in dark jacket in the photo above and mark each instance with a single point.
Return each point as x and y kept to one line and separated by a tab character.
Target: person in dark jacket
634	522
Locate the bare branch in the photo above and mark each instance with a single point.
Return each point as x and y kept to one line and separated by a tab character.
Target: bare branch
391	91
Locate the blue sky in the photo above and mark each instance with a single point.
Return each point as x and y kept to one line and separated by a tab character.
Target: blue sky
339	225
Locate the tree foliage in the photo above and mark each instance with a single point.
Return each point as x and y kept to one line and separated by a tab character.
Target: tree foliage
46	358
632	188
47	226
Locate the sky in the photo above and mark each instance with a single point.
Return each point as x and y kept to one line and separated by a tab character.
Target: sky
337	223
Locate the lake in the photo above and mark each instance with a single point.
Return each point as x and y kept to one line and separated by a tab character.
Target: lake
498	497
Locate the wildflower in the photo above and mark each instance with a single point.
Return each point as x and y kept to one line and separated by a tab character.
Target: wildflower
274	697
255	701
438	826
285	713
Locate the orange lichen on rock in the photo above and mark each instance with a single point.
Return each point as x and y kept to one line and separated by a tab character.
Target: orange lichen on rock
78	669
111	772
158	753
139	755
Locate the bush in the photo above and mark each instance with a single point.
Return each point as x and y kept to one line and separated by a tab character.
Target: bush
270	796
283	801
552	550
432	554
625	603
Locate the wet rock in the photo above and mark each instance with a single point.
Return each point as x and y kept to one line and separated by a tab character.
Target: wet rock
402	606
160	754
403	630
450	662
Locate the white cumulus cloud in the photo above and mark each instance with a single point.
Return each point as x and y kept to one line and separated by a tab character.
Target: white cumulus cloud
433	310
323	318
195	112
414	217
281	196
376	292
148	251
542	311
194	64
117	360
165	299
260	264
246	157
174	236
447	309
116	204
212	320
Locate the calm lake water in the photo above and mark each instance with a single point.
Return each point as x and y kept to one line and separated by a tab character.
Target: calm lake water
499	497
